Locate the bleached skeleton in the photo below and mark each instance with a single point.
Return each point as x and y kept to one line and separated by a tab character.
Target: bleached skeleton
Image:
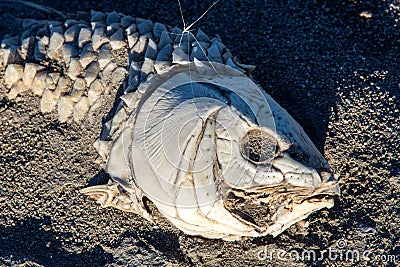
191	132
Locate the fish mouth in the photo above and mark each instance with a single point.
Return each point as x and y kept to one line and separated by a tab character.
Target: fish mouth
271	210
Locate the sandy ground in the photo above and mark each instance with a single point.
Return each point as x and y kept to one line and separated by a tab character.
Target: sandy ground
334	65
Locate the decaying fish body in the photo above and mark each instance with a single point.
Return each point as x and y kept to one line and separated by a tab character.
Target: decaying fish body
192	132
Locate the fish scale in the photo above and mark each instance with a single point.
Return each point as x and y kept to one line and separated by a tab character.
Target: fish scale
74	67
74	47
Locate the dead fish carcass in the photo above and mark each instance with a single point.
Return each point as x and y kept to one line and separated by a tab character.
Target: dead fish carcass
192	132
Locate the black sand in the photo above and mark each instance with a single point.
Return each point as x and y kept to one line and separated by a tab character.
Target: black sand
334	65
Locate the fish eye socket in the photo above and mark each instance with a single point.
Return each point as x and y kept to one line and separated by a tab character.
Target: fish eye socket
258	147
